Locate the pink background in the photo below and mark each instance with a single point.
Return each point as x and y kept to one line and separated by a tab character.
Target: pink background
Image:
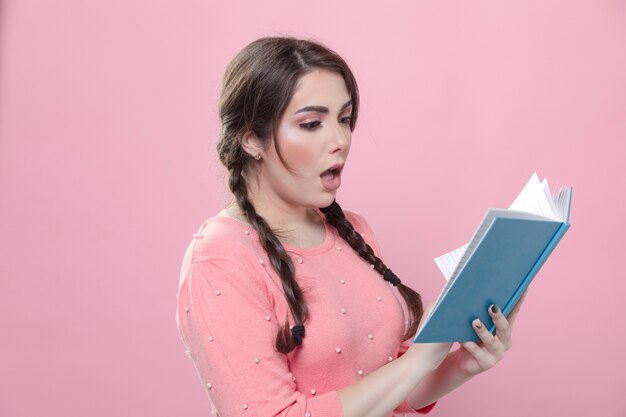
107	166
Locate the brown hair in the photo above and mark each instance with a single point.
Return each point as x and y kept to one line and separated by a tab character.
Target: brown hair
257	86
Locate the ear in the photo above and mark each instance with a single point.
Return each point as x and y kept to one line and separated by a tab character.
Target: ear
251	144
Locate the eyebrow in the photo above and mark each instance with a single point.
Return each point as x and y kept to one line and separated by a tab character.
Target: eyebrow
322	109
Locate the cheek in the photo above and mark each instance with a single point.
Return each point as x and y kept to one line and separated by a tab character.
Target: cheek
297	150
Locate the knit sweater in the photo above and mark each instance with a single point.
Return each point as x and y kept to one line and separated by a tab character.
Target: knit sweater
231	305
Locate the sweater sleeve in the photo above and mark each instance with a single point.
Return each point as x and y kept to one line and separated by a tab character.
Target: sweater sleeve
228	324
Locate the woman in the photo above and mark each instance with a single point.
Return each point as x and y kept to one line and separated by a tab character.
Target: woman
284	305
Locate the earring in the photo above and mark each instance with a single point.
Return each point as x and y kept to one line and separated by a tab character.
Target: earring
258	156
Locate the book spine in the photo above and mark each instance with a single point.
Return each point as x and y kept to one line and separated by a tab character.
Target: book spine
533	271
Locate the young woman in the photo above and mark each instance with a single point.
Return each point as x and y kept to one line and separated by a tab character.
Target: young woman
284	305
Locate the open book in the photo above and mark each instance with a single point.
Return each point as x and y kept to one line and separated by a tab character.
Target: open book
497	265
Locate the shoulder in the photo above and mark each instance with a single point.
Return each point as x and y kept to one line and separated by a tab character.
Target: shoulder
225	252
224	238
357	220
362	227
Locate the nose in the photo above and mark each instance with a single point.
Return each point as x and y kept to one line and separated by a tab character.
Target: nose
341	138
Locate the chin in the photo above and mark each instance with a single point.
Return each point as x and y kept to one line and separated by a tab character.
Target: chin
327	199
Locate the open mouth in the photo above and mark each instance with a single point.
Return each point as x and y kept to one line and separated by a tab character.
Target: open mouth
330	173
331	178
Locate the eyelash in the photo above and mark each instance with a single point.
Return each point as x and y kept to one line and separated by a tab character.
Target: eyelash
314	124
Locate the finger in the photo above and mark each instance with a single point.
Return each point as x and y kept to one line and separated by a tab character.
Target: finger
513	314
493	348
485	336
473	348
484	359
503	327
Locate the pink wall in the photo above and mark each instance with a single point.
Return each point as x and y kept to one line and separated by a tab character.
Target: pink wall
107	166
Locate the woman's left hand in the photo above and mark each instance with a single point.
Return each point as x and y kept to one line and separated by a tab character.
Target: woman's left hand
475	357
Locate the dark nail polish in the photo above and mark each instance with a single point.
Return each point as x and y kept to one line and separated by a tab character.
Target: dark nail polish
494	309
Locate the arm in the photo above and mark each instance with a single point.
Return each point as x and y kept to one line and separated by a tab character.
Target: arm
228	324
383	390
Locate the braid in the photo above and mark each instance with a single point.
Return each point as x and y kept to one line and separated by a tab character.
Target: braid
287	338
335	216
257	87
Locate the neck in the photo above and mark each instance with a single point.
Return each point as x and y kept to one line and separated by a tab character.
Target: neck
277	212
302	227
281	216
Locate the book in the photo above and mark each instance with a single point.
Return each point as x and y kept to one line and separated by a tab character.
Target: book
503	256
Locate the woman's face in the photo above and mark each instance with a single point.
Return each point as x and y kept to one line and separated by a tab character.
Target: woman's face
314	138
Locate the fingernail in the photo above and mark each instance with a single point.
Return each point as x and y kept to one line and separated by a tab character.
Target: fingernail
478	324
494	309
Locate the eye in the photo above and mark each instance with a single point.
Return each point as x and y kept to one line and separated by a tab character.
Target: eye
346	120
310	125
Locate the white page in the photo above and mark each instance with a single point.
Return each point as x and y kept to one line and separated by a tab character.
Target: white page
550	199
447	263
532	199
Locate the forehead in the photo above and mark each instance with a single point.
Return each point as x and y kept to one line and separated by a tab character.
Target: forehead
320	87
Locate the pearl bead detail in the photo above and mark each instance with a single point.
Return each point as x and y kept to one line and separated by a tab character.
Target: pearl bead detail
245	406
300	260
187	309
261	261
378	299
313	391
343	311
218	292
389	359
209	385
211	338
360	372
342	281
257	360
339	248
247	232
370	337
268	318
372	266
307	414
338	349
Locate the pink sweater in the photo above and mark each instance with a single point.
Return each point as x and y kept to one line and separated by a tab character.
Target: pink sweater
230	305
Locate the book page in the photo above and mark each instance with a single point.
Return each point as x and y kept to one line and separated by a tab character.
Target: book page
563	201
550	199
533	199
447	263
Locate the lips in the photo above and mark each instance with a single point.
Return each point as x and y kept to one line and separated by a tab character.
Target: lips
334	170
331	178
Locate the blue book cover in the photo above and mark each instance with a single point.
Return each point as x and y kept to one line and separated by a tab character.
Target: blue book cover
496	267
